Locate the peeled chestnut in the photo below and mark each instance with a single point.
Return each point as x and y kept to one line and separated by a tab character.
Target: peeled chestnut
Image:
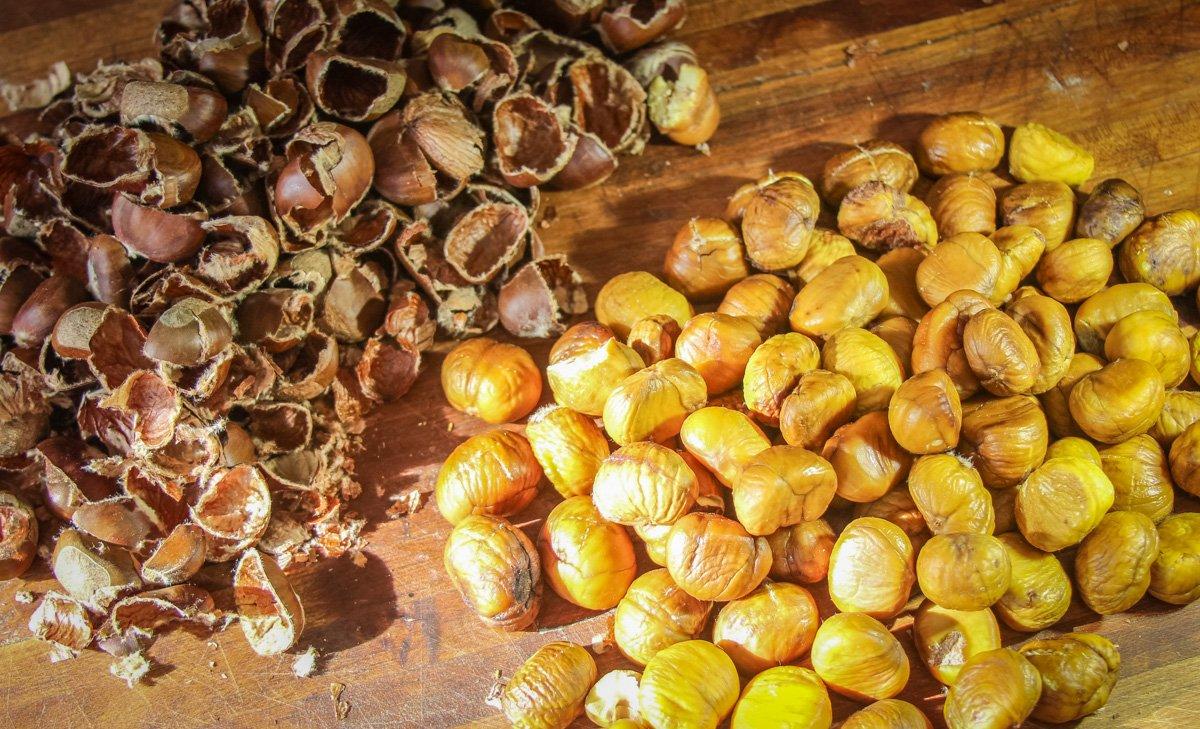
783	695
874	160
871	568
888	714
587	559
950	495
586	365
1005	437
960	142
1118	401
656	613
762	299
1078	671
963	571
996	689
870	364
724	440
651	404
495	569
800	553
947	639
1062	501
962	203
644	483
1099	313
773	371
778	215
780	487
1113	563
1048	206
1164	252
1075	270
1141	476
630	297
771	626
706	259
493	473
497	382
718	346
867	459
824	247
821	402
880	217
1152	337
849	293
1037	152
1112	211
568	446
714	558
925	414
1039	592
653	338
1175	573
693	682
855	655
548	690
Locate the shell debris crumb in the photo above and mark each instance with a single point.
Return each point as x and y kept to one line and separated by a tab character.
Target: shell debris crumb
131	668
24	597
407	502
305	665
341	708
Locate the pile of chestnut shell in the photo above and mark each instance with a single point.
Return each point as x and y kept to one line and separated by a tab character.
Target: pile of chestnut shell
217	261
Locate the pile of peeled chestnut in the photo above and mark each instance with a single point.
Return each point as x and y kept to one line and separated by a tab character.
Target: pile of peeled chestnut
215	262
985	392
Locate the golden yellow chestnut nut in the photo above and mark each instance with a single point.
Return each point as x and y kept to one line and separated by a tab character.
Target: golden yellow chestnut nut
709	494
1000	354
1023	245
773	371
937	343
788	696
962	203
1164	252
778	221
1118	401
586	365
966	261
899	266
496	570
569	447
587	559
1006	438
1056	400
1078	672
763	299
1073	447
653	338
963	571
1112	211
614	699
548	690
627	298
1037	152
824	247
1175	573
873	160
1141	477
868	362
866	458
771	626
1185	460
493	473
964	141
1112	564
800	553
1075	270
849	293
782	486
880	217
496	382
714	558
946	639
898	332
651	404
871	568
925	414
705	259
994	690
654	614
1047	206
1180	409
718	346
1039	592
1048	325
684	107
644	483
821	403
654	539
888	714
950	495
1097	315
723	440
691	685
856	656
1154	338
1062	502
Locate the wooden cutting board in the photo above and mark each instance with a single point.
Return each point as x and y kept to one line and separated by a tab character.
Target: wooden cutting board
797	80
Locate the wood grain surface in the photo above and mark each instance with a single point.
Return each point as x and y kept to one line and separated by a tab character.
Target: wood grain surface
797	79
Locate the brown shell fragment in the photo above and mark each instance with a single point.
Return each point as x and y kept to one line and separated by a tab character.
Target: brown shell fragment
191	455
177	557
531	144
353	89
540	296
91	572
156	496
369	28
507	25
282	105
485	240
240	252
36	318
275	319
426	151
72	334
118	520
483	69
18	536
610	103
152	405
115	348
373	224
191	113
109	274
226	48
24	413
21	270
271	614
407	318
388	369
233	511
152	610
354	304
630	24
329	170
160	235
155	293
62	620
279	427
67	479
293	29
188	333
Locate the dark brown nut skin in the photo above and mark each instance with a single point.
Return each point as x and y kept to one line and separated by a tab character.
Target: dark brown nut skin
1112	564
960	142
36	318
1112	211
496	570
1078	671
